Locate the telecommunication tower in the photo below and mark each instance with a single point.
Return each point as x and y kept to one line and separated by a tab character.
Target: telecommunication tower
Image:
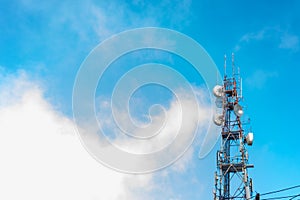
231	178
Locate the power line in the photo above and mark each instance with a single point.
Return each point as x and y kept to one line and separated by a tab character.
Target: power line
283	197
295	196
276	191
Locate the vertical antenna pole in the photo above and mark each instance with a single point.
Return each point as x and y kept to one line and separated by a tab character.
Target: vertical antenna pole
241	88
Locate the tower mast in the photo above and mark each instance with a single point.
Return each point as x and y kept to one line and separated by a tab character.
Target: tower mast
231	178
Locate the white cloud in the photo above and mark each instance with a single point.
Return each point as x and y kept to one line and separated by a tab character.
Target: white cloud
42	158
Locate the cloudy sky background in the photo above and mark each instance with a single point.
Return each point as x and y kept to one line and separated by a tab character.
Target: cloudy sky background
42	46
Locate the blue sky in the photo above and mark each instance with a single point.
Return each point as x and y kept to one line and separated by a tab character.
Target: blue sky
43	44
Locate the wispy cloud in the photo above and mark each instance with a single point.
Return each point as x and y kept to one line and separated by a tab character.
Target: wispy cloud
283	38
103	19
166	136
250	37
253	36
173	123
289	41
259	78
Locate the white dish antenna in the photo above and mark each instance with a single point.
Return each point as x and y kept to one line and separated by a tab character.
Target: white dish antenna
249	138
218	119
238	110
218	91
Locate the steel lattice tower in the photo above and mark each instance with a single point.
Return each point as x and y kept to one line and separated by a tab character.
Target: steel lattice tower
231	178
